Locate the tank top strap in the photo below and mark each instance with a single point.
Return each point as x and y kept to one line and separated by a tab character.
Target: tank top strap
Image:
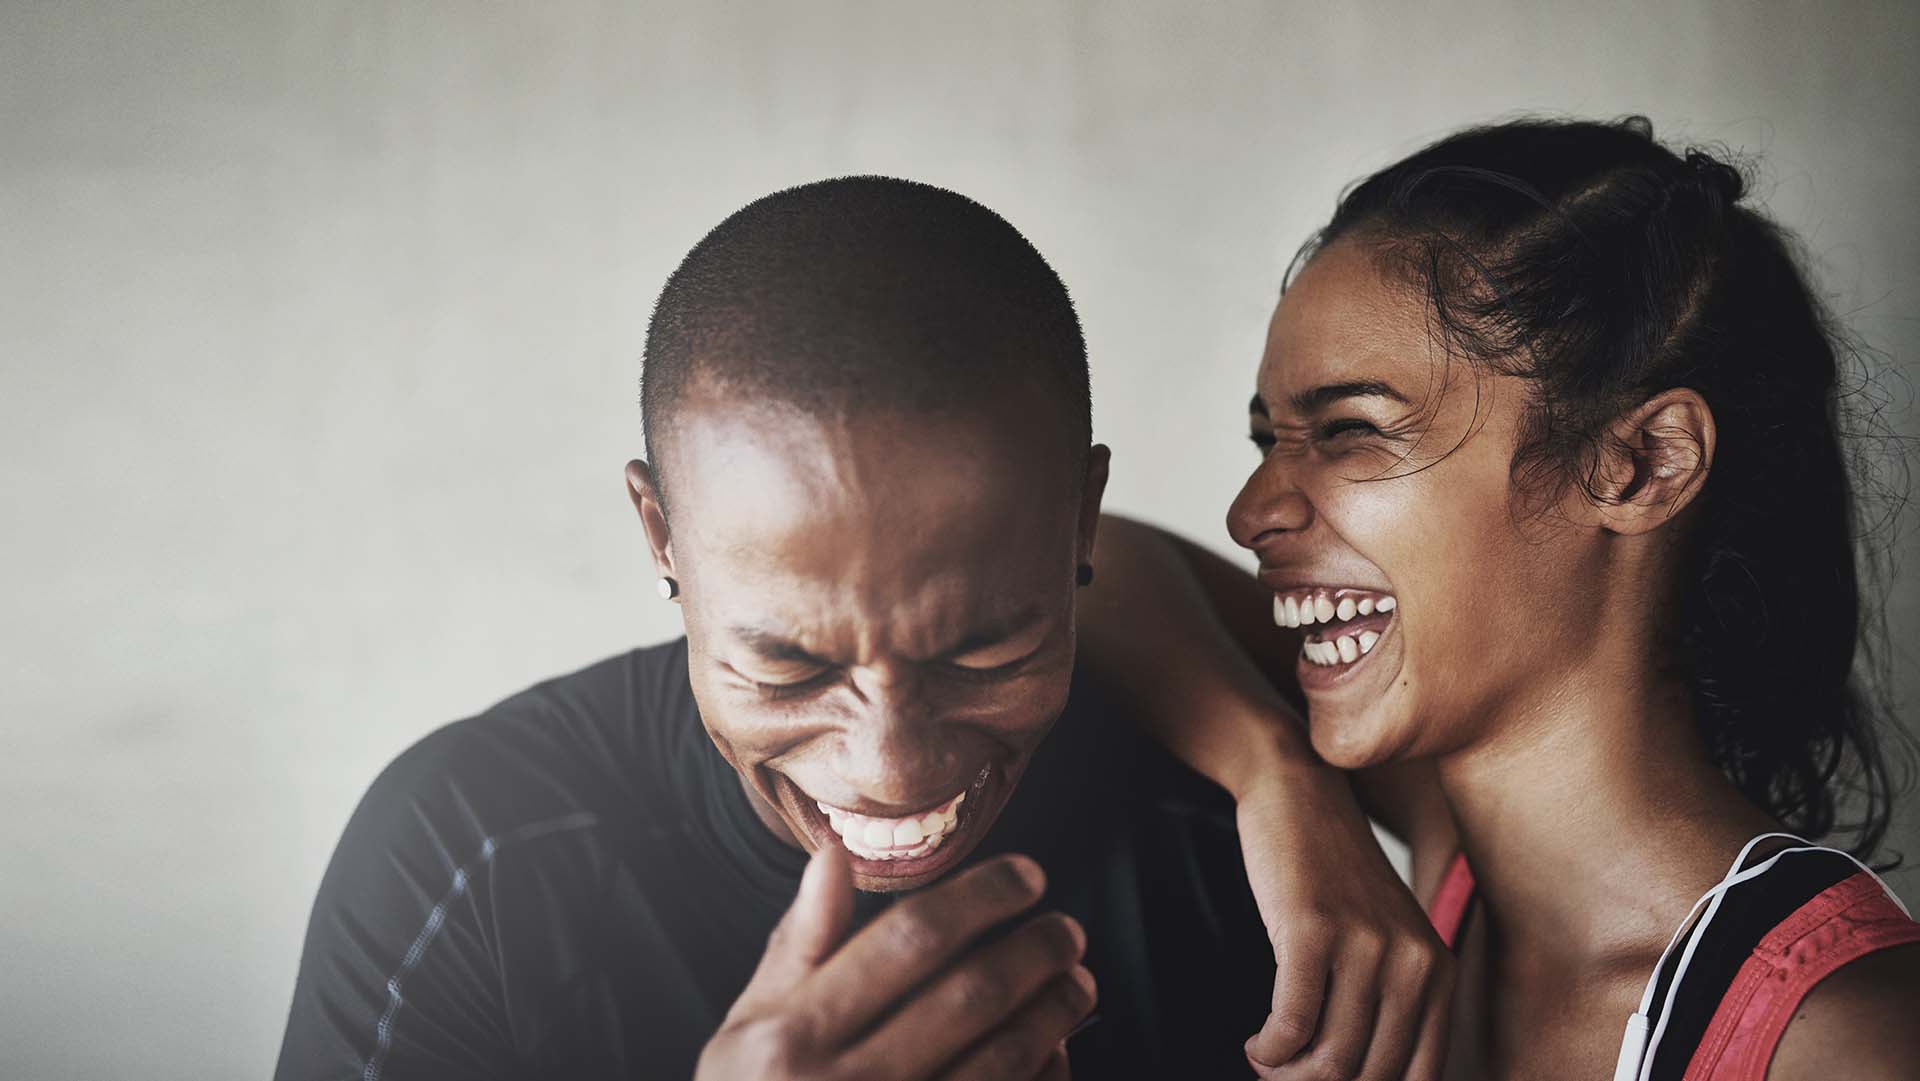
1843	923
1453	902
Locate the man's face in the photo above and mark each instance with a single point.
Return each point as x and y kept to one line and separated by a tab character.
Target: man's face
879	613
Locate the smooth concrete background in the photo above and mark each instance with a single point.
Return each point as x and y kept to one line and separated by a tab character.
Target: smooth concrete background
319	325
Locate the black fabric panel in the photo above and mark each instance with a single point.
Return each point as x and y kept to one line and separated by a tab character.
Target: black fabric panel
1749	911
574	885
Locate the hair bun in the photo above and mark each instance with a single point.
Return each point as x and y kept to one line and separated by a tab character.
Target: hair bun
1716	176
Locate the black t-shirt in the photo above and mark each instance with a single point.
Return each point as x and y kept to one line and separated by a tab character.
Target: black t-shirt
573	885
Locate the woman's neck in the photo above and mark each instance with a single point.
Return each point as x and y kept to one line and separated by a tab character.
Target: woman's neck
1593	819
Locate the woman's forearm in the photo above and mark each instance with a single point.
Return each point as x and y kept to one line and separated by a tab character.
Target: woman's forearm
1191	639
1182	648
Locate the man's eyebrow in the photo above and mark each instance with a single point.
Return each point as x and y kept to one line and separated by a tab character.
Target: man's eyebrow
993	634
1324	395
1258	406
775	647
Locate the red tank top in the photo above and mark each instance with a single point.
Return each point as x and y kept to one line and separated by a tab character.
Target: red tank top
1842	923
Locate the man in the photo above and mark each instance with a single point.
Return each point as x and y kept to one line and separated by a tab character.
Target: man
871	486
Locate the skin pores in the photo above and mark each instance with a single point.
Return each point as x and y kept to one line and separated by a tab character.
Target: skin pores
1389	473
879	612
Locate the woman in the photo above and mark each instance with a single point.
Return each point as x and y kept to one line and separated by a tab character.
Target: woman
1561	408
1553	488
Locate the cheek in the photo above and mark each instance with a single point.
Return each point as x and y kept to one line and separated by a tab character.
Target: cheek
735	731
1018	711
747	727
1418	530
1446	542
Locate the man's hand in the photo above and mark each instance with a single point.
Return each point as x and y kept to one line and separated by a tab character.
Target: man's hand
1364	987
909	996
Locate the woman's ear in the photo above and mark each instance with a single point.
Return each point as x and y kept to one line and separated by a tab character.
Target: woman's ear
1654	462
644	491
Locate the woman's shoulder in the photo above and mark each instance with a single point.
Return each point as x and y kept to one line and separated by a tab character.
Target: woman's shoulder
1859	1022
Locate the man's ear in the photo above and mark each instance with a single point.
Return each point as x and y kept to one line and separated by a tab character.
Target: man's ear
1091	491
645	493
1654	462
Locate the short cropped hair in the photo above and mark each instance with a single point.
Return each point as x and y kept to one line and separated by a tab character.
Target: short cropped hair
865	292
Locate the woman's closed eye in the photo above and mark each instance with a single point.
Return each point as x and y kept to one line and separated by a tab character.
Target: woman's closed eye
1331	430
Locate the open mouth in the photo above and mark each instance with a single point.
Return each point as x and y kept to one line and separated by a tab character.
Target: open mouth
905	845
1344	624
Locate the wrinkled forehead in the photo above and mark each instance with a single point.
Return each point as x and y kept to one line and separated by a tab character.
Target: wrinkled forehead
1346	317
890	524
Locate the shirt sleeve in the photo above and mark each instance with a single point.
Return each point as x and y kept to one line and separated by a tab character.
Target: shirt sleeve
398	976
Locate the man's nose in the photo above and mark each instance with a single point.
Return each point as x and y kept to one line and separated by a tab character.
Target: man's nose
1270	505
895	752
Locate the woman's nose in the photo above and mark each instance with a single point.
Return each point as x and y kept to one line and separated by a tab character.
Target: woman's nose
1270	505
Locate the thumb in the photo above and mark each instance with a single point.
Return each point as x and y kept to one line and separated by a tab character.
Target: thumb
814	925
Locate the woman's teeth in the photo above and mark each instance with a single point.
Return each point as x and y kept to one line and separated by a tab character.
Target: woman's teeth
1309	606
1345	649
894	838
1333	645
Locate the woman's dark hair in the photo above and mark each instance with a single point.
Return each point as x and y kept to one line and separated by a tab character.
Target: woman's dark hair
1605	268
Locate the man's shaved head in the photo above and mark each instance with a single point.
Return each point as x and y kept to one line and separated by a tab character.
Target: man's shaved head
845	296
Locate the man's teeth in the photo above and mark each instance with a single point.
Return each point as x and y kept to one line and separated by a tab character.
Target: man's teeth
894	838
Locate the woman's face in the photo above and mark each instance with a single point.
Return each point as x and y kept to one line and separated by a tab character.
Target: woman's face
1384	518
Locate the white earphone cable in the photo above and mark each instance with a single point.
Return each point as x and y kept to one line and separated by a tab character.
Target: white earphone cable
1637	1044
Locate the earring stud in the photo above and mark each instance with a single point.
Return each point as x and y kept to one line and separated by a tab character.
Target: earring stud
1083	576
667	587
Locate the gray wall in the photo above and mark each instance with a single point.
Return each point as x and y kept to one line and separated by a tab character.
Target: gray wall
319	326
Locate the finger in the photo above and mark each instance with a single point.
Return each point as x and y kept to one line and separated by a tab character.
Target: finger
812	927
1055	1068
1436	1031
1346	1024
1022	1046
994	987
915	939
1301	956
1396	1027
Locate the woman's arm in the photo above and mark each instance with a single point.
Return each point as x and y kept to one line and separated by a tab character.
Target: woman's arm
1856	1023
1164	624
1192	637
1191	640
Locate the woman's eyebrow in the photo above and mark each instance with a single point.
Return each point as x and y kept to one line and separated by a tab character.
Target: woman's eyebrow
1317	398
